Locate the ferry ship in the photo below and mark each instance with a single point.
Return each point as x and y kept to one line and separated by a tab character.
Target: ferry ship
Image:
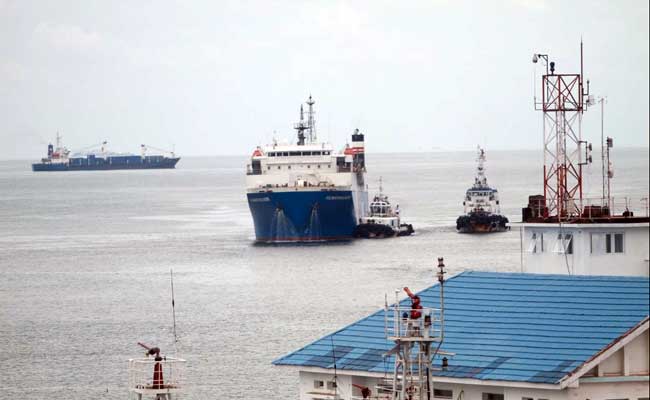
59	158
482	211
307	191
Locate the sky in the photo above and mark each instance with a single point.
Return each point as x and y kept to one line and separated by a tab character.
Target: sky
221	77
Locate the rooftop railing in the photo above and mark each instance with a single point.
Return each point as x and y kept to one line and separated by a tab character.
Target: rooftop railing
401	324
146	378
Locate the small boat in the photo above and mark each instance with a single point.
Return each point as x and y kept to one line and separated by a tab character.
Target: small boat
382	221
482	213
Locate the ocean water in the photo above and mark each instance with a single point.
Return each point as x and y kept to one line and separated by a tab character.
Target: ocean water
85	261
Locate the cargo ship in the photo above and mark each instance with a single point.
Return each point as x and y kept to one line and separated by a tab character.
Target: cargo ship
307	191
482	209
59	158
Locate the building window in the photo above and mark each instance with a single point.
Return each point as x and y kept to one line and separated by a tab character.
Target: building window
564	244
331	385
319	384
536	244
618	243
492	396
443	394
607	243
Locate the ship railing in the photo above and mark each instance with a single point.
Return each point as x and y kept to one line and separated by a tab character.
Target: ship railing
406	323
143	378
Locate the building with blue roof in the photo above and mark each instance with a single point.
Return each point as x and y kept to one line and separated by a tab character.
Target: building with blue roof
510	336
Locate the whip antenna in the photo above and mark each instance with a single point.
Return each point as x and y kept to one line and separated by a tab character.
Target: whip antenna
171	274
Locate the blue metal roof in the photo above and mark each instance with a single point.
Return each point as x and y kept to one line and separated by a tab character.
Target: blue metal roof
501	326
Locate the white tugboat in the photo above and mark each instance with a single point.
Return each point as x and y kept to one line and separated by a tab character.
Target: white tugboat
482	211
382	220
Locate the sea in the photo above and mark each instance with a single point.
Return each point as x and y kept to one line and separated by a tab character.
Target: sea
86	260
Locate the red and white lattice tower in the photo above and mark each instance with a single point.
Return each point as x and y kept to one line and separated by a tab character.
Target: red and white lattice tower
564	100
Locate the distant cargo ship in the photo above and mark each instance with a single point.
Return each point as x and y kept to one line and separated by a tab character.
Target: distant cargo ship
59	159
307	191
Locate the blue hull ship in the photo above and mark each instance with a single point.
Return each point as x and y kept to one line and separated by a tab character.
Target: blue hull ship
93	163
306	191
59	159
306	216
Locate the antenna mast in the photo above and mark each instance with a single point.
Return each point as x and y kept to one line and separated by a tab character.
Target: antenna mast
171	274
564	100
418	334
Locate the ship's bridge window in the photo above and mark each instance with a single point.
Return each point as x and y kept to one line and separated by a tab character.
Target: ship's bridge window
326	153
306	153
271	154
564	244
285	154
294	153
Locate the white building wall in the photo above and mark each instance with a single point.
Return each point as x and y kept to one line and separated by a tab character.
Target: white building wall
638	358
535	394
547	256
609	391
308	391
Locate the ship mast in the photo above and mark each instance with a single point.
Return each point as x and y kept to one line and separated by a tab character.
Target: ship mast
311	121
309	126
301	128
480	181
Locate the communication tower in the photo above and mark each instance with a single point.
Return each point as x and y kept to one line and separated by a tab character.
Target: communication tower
565	98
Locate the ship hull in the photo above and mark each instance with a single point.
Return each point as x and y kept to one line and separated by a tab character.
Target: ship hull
482	223
96	165
303	216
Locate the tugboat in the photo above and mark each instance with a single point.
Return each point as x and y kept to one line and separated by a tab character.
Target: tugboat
482	213
382	220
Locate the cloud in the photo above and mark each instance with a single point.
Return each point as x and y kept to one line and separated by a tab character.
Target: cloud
67	36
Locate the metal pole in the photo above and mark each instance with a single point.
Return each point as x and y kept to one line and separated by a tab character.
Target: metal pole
602	144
